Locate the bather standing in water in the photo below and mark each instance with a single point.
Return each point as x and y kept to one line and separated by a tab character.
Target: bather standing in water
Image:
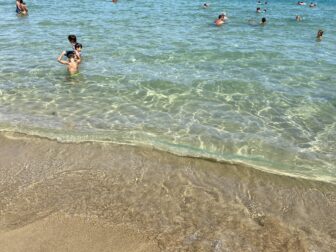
21	7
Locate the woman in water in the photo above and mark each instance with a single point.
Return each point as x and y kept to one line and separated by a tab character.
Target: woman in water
21	7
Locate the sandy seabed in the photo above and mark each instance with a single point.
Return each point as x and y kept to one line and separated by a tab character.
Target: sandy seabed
106	197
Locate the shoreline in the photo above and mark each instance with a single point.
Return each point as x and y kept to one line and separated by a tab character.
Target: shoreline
263	168
176	203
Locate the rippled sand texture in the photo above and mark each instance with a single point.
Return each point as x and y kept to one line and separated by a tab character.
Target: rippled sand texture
102	197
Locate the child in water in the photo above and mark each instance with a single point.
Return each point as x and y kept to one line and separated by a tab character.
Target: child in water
77	47
73	40
263	21
78	50
72	63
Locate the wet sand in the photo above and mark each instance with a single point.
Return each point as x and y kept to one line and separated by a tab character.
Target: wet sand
104	197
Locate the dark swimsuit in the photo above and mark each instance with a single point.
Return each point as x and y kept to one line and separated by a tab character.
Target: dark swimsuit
18	11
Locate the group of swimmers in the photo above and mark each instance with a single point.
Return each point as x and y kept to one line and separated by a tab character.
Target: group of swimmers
74	56
311	5
299	18
223	17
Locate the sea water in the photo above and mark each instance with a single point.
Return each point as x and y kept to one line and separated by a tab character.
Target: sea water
159	73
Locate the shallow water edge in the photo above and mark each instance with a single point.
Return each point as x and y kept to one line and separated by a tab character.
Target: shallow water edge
178	203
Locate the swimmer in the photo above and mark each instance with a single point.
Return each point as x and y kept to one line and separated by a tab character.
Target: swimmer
72	63
263	21
319	35
78	50
205	5
312	5
298	18
21	8
73	40
114	1
220	20
259	2
301	3
258	10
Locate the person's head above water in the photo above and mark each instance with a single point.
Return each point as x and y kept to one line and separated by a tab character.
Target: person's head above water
71	56
263	20
72	39
319	34
78	45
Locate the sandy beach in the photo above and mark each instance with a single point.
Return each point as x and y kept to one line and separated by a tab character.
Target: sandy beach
103	197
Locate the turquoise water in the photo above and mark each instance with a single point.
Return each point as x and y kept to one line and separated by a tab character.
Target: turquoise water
159	73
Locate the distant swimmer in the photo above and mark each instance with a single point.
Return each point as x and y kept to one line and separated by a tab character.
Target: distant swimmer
205	5
258	10
220	20
298	18
21	8
301	3
114	1
312	5
72	62
263	21
319	35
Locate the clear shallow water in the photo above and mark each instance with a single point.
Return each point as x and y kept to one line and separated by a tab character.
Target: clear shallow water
159	73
